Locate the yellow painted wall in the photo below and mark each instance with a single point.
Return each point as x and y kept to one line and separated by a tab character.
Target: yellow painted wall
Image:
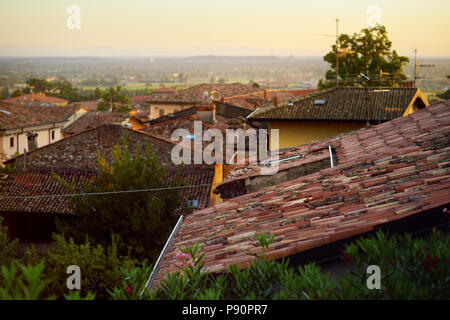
136	125
300	132
218	178
168	108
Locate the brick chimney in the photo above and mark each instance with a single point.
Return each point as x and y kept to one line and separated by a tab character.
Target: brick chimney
275	101
207	113
266	95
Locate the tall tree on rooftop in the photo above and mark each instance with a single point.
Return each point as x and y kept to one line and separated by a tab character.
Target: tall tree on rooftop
369	52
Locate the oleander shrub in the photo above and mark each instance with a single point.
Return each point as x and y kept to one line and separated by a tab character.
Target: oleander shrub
411	268
100	266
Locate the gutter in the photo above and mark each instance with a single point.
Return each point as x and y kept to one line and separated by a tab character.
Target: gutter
331	156
152	276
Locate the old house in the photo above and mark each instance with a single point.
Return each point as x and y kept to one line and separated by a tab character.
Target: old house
30	127
331	112
161	105
30	198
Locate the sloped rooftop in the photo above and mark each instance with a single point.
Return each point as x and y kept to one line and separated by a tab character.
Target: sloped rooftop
385	173
350	104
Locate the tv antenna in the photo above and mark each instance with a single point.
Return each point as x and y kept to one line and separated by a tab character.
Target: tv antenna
417	66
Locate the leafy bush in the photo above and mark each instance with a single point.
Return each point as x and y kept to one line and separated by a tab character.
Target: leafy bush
100	268
410	269
19	282
133	284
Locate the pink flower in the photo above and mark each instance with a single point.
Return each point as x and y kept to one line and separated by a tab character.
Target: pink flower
128	290
191	263
186	256
445	210
178	255
180	264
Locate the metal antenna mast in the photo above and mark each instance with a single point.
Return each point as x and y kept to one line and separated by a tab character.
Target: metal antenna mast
337	53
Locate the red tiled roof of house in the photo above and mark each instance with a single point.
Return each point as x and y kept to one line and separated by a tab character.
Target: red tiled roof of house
92	120
385	173
17	116
139	99
257	99
33	98
164	90
43	190
344	103
37	183
88	105
194	94
80	150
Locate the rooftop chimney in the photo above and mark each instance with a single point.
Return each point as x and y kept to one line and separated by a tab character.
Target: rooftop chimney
32	140
275	101
207	114
266	95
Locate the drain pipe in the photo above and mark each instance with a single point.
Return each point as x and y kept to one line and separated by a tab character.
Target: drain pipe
163	252
331	156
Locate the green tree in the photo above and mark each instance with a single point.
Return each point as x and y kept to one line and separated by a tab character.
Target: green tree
142	220
65	90
38	85
369	52
17	93
113	96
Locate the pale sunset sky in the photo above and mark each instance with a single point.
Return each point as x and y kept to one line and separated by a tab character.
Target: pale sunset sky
225	27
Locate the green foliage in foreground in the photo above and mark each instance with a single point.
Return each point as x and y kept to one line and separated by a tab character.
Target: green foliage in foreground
410	269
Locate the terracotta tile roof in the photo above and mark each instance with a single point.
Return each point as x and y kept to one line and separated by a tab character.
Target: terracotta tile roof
195	177
80	150
194	94
88	105
257	99
385	173
34	99
36	183
164	90
92	120
164	129
18	116
139	100
342	104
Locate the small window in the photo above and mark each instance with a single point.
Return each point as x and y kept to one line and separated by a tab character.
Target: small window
53	134
161	112
319	102
11	142
193	204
